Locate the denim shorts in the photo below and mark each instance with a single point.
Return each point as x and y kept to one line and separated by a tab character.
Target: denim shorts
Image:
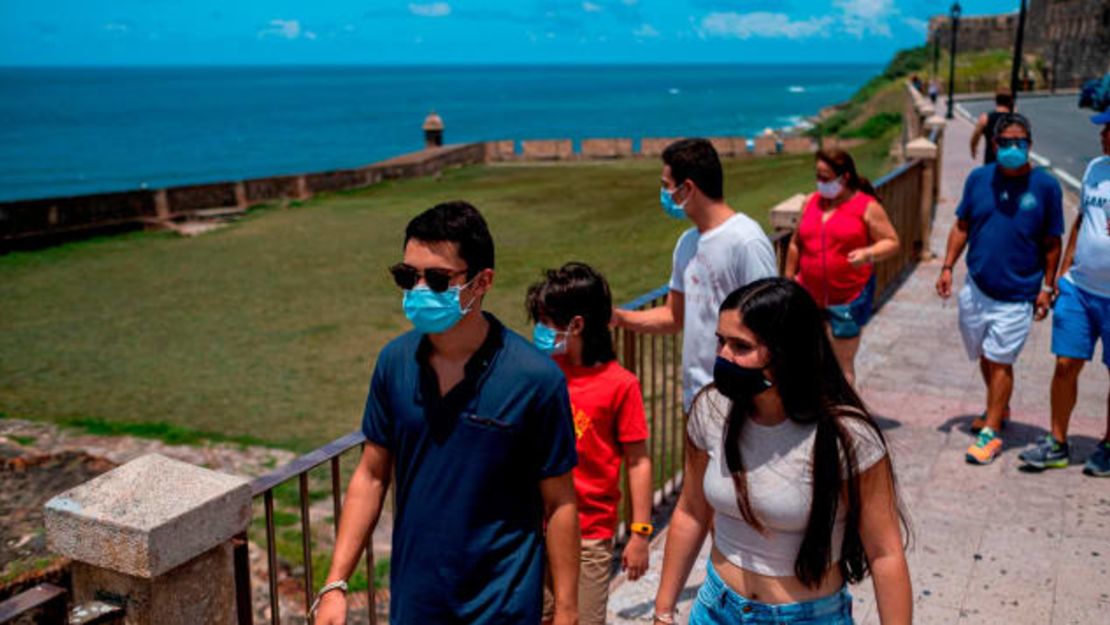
717	604
847	320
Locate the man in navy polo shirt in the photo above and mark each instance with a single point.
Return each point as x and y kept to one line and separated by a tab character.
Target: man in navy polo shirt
1010	218
475	422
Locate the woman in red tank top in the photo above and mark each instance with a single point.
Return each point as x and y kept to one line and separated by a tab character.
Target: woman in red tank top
842	233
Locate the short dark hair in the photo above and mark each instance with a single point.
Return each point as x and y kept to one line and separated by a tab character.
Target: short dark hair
571	290
697	160
1013	119
456	222
1004	98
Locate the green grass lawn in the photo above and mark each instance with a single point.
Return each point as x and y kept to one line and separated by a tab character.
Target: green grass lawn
268	330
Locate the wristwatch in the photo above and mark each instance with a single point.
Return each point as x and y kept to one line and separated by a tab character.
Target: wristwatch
1048	288
643	529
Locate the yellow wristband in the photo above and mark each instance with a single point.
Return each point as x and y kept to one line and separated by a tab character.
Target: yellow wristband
643	529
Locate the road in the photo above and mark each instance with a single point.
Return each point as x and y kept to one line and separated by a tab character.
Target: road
1062	132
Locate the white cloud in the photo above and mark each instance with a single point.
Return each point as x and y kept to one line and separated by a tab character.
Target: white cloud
645	31
311	36
762	24
630	3
590	7
919	26
116	27
285	29
865	17
432	9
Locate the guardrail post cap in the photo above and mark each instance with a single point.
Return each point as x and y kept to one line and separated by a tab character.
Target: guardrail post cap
935	122
785	214
147	516
921	148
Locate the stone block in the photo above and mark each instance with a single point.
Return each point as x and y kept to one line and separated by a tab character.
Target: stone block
500	150
655	146
147	516
548	150
921	148
785	214
726	146
799	145
766	144
606	148
935	121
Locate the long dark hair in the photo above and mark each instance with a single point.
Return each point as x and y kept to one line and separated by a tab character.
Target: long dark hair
814	391
571	290
842	163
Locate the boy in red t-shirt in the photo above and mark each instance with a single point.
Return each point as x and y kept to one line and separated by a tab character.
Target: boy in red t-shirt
571	310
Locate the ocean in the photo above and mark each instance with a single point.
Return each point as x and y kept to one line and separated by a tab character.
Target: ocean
71	131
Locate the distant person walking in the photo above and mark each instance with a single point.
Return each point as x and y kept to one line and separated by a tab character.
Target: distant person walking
1081	314
785	463
474	423
1010	218
722	252
987	126
571	310
934	89
843	232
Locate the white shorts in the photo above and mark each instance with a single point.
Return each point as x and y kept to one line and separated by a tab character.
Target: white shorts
993	329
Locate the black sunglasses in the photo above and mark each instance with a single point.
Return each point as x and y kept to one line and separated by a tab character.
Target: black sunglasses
438	280
1008	143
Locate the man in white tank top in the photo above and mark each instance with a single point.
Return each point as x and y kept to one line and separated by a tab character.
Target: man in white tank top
722	252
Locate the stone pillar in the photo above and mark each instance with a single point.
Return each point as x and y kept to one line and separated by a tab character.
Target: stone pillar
154	536
786	214
162	205
925	150
433	131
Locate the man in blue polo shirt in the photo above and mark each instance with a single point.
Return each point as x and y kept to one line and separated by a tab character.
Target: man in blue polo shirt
475	423
1011	218
1081	314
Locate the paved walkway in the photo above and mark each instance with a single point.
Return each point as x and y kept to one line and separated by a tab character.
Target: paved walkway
991	544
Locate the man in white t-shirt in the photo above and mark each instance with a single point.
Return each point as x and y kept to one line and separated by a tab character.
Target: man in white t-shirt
1081	314
722	252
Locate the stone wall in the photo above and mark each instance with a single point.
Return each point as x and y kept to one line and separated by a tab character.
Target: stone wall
1073	34
33	223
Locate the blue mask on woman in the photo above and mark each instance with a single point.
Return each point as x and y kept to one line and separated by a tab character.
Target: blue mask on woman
431	312
546	339
666	198
1013	156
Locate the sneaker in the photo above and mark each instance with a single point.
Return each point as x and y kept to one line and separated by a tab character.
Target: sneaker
1098	464
987	447
980	422
1047	454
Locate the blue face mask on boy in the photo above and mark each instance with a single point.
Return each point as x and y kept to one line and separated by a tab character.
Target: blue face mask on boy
431	312
546	339
672	209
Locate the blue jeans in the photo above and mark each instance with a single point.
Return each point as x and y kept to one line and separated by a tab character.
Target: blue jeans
717	604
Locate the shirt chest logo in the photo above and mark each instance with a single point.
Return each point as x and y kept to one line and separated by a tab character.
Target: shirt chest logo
1027	202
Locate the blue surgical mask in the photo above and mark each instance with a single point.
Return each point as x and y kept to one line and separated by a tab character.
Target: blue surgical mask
546	339
1013	157
666	198
431	312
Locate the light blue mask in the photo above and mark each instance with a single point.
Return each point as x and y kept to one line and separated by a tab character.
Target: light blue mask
1013	157
431	312
666	198
546	339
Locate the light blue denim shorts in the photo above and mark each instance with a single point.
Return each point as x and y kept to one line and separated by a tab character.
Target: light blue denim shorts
717	604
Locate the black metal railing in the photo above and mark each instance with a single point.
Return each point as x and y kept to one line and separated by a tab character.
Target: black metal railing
47	603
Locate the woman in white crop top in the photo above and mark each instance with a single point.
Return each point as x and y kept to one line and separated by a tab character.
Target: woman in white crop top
793	475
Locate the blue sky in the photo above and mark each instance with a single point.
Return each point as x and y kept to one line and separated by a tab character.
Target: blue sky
155	32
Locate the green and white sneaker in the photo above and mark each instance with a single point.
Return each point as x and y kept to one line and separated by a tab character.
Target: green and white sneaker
1048	453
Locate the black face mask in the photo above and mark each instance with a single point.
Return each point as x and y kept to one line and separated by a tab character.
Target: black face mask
738	383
